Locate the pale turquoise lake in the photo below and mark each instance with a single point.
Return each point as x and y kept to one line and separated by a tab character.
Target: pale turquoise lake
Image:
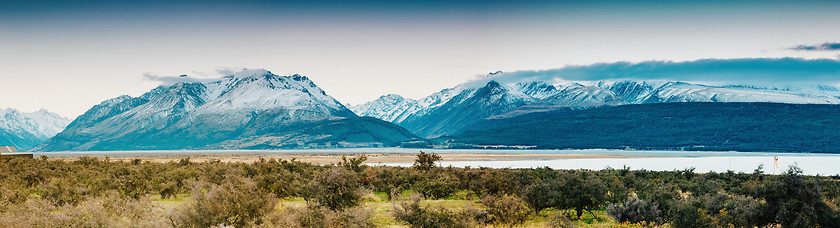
702	161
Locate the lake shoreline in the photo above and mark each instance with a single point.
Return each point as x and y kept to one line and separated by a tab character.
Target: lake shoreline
592	159
373	158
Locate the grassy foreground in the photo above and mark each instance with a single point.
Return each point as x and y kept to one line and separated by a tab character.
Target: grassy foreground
90	192
382	208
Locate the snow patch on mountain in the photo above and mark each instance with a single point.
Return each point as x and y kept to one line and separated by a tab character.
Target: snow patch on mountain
29	128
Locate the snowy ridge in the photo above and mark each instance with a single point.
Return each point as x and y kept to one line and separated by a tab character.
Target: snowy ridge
538	90
41	123
424	116
646	92
28	129
242	103
440	98
450	109
395	108
580	96
388	108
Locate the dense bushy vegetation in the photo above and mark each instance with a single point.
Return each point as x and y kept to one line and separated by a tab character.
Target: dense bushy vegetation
636	210
235	202
91	192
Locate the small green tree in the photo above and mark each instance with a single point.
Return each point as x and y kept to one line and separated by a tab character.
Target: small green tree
580	191
426	161
354	164
542	195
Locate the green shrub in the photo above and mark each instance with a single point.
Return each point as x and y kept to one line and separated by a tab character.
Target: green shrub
351	217
636	210
559	220
12	193
336	188
424	217
490	181
313	215
690	213
60	191
795	200
436	185
736	210
506	210
168	190
542	195
236	202
108	210
581	191
354	164
316	216
282	183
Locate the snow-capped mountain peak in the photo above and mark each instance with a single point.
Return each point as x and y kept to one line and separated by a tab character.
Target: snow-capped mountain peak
388	107
41	123
248	99
537	89
472	101
26	129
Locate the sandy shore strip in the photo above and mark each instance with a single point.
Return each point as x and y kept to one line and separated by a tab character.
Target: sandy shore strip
373	159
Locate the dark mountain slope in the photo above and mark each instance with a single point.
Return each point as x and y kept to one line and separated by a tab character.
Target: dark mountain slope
669	126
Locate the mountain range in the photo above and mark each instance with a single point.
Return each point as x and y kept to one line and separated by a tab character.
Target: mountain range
256	109
25	130
454	110
251	109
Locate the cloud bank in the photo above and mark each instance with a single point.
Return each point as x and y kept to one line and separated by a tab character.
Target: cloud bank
822	47
747	70
171	80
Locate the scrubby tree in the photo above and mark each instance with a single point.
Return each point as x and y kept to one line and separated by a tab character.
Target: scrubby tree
794	200
236	202
690	213
580	191
426	161
336	188
354	164
636	210
542	195
418	216
506	210
436	185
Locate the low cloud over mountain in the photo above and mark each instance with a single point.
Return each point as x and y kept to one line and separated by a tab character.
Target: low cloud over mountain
731	71
829	46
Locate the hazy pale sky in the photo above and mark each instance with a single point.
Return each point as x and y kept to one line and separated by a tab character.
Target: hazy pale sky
66	56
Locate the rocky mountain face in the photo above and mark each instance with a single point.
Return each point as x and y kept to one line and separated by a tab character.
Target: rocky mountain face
25	130
452	110
465	107
391	107
249	109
